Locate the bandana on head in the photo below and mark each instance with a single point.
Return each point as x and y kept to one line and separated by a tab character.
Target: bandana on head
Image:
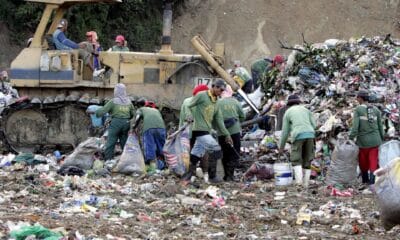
120	96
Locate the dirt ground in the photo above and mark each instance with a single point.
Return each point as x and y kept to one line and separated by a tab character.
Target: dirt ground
158	207
251	29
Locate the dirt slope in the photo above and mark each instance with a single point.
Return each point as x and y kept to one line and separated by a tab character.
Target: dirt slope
250	28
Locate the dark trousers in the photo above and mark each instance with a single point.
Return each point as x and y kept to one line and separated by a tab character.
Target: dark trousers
118	129
230	157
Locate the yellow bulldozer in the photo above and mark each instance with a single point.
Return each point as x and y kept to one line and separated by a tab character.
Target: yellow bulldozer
53	113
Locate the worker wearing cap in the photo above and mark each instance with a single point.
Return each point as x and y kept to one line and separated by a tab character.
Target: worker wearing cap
63	43
299	122
367	128
205	113
120	45
153	134
232	114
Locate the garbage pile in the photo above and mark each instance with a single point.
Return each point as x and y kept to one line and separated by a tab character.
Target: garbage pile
327	76
38	203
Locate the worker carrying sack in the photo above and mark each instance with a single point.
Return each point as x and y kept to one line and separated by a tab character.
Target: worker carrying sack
177	151
387	189
344	162
132	160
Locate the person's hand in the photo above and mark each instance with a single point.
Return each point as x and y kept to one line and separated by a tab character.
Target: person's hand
229	140
280	150
189	119
82	45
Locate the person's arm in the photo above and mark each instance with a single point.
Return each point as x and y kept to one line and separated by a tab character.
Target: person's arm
131	111
312	120
195	101
219	121
183	114
240	111
380	126
355	125
106	109
285	131
64	40
139	115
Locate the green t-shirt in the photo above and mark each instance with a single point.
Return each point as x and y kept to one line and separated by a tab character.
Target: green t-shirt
369	132
231	109
151	118
116	110
204	111
117	48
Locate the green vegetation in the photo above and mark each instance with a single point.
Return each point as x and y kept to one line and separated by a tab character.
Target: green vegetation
140	21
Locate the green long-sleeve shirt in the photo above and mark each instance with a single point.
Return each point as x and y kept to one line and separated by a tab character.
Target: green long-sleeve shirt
204	112
116	110
296	121
231	108
185	111
151	118
368	133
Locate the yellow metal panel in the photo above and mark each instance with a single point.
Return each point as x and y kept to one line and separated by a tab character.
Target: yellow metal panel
24	83
132	72
29	58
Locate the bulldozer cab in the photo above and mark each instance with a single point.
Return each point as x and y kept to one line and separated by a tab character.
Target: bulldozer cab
41	63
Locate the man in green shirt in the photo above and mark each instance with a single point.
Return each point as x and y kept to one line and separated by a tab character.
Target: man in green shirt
121	111
233	114
367	128
204	113
153	133
299	122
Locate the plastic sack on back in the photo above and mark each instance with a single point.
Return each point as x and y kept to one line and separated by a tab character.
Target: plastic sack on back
387	189
177	151
132	160
343	168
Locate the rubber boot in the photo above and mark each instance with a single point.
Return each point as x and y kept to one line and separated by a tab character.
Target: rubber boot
212	166
298	174
192	168
365	177
371	179
306	180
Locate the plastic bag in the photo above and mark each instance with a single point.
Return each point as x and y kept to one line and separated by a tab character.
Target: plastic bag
177	151
387	189
132	160
44	62
343	168
55	64
388	151
38	231
260	171
82	157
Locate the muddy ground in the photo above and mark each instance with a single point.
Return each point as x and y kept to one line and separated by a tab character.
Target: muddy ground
134	209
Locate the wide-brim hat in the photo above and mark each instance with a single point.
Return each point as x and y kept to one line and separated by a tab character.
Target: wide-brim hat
293	99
